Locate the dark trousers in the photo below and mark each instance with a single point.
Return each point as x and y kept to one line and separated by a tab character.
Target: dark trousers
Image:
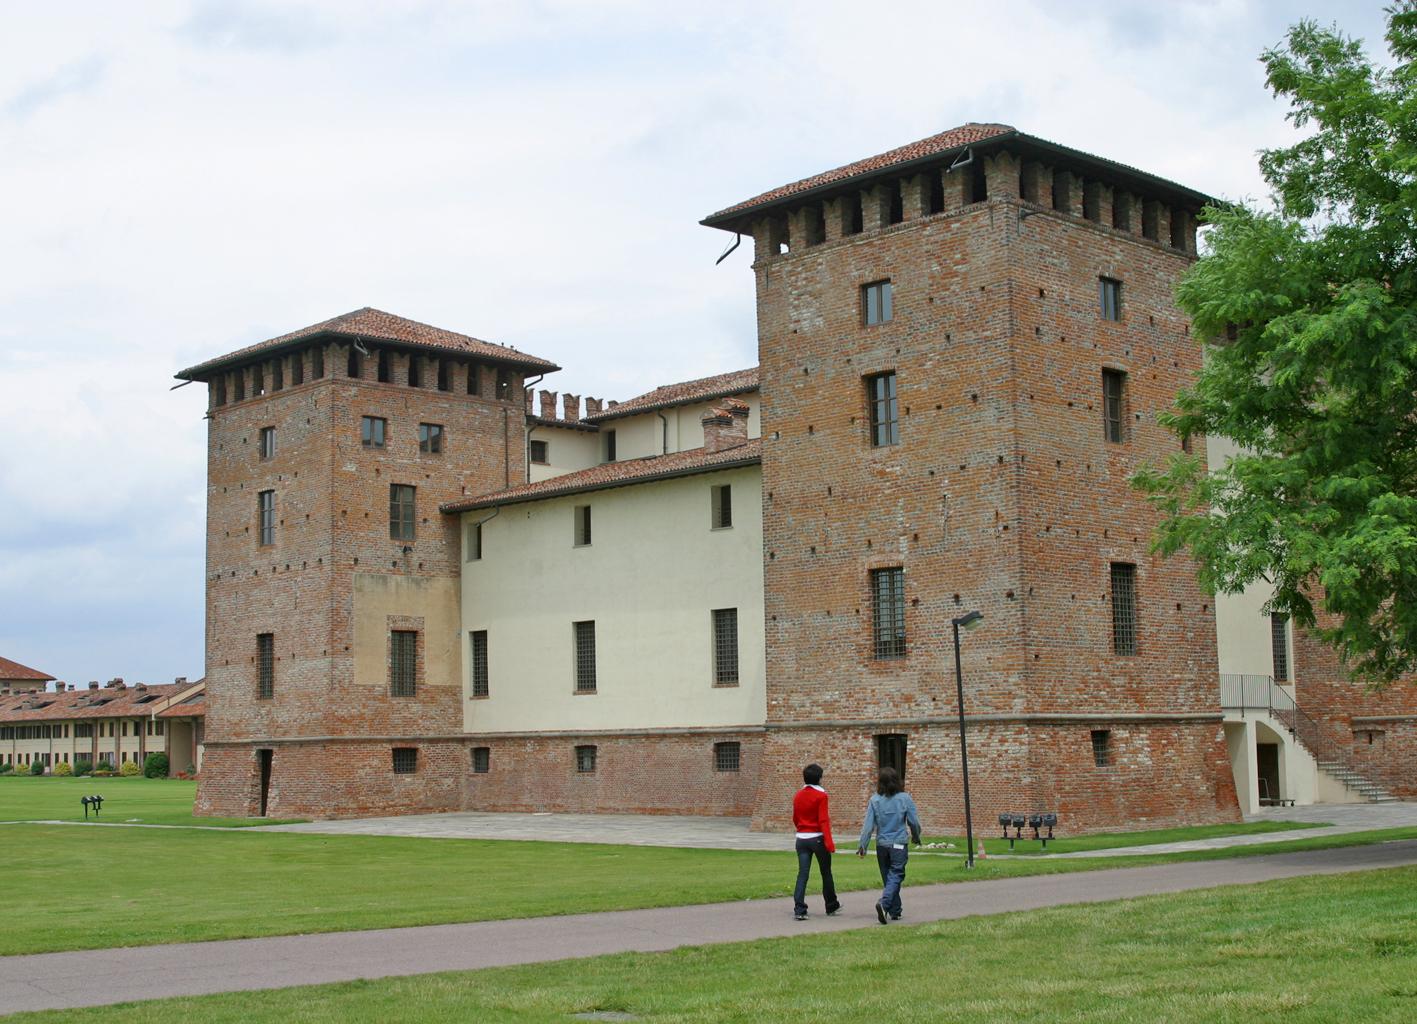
806	850
892	864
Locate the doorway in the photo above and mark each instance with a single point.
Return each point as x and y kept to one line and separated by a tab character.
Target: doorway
1267	768
890	753
263	760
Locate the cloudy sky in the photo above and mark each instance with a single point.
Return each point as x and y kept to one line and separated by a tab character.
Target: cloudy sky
178	179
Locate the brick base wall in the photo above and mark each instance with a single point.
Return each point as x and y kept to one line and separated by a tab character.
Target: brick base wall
1390	758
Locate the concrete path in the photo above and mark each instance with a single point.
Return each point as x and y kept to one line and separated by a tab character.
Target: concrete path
100	977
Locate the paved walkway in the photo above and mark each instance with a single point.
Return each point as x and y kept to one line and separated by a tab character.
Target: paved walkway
100	977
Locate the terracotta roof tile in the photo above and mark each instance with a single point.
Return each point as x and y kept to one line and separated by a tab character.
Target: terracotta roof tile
702	390
964	135
14	670
619	474
188	709
72	704
376	325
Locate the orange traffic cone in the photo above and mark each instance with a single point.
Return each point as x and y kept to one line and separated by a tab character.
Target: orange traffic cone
981	855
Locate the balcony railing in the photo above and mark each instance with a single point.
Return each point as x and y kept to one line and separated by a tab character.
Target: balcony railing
1244	693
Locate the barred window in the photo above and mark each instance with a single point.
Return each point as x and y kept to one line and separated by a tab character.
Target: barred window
1279	645
888	612
403	662
585	760
481	759
1109	298
876	303
725	647
266	517
405	760
268	442
539	452
1114	403
401	511
430	438
582	526
585	656
1101	747
372	430
884	409
1124	608
265	666
721	499
726	757
479	663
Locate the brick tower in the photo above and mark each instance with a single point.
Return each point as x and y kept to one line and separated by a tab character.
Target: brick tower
964	345
332	634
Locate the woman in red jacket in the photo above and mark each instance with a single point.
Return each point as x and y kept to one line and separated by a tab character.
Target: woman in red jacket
814	839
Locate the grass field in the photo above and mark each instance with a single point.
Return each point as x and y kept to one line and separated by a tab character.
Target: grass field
145	801
1305	951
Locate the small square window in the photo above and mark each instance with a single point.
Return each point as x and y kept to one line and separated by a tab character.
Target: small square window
876	303
722	506
430	438
268	442
372	430
481	760
1101	747
582	526
1110	298
539	452
726	757
405	760
585	760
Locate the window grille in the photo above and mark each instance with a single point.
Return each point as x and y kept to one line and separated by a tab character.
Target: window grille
539	452
266	517
722	499
265	666
405	760
876	303
1279	644
1124	608
888	612
479	663
1109	295
372	430
585	656
403	662
268	442
1101	747
884	409
401	508
481	759
430	438
1114	387
585	760
725	647
727	757
582	536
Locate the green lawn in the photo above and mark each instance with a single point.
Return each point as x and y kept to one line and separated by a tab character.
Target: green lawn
1065	843
1305	951
180	885
146	801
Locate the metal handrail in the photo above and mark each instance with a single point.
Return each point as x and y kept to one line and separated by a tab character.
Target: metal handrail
1243	693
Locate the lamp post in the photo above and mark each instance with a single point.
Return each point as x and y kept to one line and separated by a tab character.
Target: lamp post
967	621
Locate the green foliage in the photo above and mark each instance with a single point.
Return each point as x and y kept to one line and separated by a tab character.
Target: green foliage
104	765
6	768
1314	375
155	766
130	769
63	768
82	766
37	767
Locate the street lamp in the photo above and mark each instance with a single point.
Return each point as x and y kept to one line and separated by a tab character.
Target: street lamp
967	621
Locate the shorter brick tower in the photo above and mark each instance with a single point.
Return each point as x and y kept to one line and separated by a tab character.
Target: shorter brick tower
332	633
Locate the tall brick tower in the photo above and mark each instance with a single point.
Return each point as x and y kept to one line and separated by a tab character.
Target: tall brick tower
332	636
964	345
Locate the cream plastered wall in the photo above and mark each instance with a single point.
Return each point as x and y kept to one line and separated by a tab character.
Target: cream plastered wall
566	451
651	576
109	747
432	599
643	435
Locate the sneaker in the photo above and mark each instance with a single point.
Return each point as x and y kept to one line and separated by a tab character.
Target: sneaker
895	917
800	915
881	912
834	911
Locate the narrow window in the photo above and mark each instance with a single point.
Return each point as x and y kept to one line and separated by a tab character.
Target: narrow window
582	526
1150	222
978	182
1101	747
240	388
876	303
504	385
1279	645
401	507
727	757
584	633
1178	230
473	372
816	222
481	759
1121	211
414	370
384	375
888	612
851	216
890	752
722	506
884	409
1124	608
268	442
610	446
1186	442
474	542
430	438
725	647
1109	293
372	430
403	662
585	760
539	453
405	760
266	517
265	666
352	364
479	663
1114	394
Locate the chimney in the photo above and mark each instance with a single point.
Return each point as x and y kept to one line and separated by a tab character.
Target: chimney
180	681
548	405
571	406
93	684
613	403
592	407
141	687
726	426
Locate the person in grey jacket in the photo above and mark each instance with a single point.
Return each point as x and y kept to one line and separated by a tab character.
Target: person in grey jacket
890	814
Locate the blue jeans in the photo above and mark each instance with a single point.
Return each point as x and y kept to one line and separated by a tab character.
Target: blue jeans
806	850
892	864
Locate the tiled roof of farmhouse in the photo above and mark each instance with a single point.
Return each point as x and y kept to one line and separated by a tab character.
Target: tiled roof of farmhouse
964	135
620	474
376	325
187	709
105	702
14	670
702	390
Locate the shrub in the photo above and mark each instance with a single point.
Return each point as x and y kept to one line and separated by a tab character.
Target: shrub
155	766
104	765
63	768
130	769
37	768
5	769
82	766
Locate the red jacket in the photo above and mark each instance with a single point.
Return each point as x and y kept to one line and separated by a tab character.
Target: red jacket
809	813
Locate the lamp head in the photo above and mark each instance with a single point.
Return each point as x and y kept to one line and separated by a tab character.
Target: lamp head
969	620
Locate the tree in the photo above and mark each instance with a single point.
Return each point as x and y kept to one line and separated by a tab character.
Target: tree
1312	370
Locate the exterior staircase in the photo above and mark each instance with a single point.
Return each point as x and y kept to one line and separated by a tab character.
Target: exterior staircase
1370	791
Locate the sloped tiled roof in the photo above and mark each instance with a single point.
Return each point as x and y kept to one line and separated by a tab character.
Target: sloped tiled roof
964	135
376	325
72	704
619	474
704	389
187	709
14	670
